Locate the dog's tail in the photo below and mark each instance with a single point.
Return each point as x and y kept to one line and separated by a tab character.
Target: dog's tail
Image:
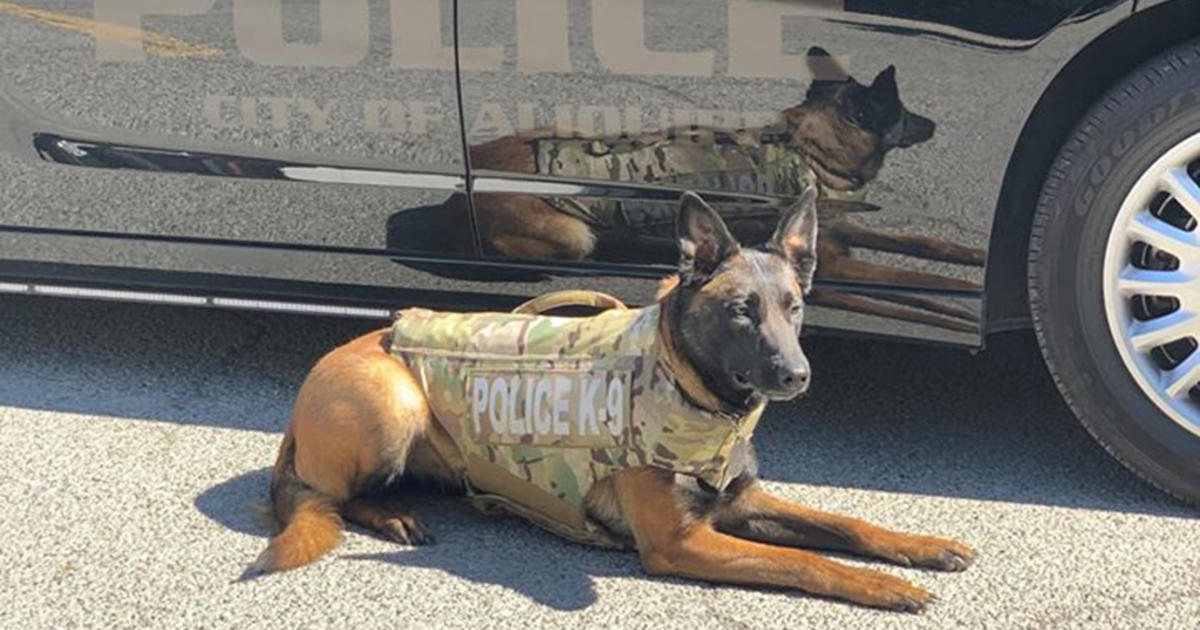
310	522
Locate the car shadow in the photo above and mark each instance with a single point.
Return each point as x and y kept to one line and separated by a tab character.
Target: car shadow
880	415
939	421
192	366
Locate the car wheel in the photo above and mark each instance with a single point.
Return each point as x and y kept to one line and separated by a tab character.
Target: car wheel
1114	271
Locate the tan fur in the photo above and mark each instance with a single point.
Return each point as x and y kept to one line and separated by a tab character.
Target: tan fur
313	528
905	549
355	382
834	148
602	504
524	226
665	286
361	418
510	153
670	543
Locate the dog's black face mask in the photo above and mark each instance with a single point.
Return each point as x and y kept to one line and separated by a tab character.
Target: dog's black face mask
738	313
878	108
846	128
875	108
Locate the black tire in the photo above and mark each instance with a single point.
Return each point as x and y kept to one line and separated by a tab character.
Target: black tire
1149	111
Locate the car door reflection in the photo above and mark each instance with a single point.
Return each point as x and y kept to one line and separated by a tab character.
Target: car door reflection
836	139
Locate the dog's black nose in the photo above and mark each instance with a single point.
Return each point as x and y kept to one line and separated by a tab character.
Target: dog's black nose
793	378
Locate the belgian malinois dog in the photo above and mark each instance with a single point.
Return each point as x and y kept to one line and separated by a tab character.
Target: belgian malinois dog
362	424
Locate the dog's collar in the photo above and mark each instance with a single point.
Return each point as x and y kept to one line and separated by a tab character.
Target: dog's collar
785	137
688	380
832	179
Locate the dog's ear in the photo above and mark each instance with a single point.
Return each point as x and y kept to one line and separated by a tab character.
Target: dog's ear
885	82
795	238
823	67
704	241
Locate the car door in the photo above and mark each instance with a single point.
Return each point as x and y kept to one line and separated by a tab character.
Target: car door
584	120
307	141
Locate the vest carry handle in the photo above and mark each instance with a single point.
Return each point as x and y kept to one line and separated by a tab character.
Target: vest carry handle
577	297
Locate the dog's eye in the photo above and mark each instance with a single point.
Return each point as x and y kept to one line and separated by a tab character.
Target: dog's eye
741	312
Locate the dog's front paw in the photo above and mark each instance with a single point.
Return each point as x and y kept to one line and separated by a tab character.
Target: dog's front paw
929	552
892	593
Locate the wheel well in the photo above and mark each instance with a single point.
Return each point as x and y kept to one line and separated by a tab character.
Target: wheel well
1076	87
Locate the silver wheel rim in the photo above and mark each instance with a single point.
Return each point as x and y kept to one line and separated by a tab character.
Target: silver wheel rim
1152	284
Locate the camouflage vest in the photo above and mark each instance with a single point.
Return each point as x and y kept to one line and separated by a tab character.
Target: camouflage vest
697	159
540	408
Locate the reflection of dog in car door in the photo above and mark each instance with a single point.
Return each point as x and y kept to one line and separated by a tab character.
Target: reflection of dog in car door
836	139
628	429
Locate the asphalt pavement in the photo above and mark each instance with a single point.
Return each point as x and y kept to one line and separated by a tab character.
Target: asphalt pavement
135	440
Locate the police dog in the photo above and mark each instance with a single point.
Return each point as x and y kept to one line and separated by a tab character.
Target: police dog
362	423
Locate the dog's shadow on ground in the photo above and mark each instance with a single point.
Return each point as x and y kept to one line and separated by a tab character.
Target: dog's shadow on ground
504	551
235	503
510	553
